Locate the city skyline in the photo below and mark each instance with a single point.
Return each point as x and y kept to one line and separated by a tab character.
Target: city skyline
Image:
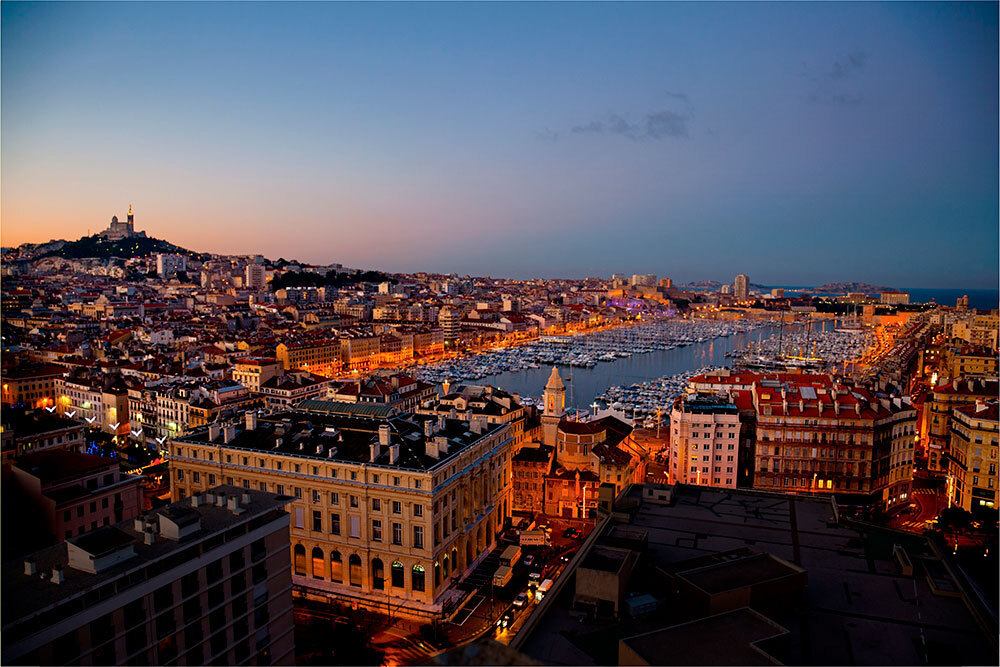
795	143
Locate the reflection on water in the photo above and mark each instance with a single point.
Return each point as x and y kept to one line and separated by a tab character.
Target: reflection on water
586	383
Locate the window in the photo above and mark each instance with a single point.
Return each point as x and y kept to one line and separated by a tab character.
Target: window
354	563
211	480
317	563
316	496
262	486
416	484
334	498
180	475
418	577
336	567
376	505
354	475
300	560
317	522
298	492
376	530
374	479
418	510
196	476
378	574
395	481
397	507
418	537
355	526
397	575
397	533
280	489
299	517
334	524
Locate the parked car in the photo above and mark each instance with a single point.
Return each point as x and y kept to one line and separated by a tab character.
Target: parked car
529	559
534	578
567	557
576	534
521	599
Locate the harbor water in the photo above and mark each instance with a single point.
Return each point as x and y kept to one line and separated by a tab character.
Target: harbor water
583	385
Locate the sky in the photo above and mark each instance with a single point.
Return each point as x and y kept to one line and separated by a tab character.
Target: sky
798	143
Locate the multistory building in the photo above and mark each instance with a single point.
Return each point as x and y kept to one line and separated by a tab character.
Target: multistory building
253	372
201	581
935	426
972	456
31	385
894	298
254	276
704	441
469	401
99	401
977	327
554	406
397	390
29	431
71	493
168	264
450	320
741	287
388	510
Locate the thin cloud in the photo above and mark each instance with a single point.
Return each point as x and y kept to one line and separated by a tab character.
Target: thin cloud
654	125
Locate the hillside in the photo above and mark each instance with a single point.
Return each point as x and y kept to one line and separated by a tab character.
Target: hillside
95	247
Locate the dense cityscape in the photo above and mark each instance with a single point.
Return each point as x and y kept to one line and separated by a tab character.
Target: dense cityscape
500	334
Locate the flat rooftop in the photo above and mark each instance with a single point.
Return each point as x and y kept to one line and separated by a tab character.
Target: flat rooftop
25	595
858	608
738	573
697	642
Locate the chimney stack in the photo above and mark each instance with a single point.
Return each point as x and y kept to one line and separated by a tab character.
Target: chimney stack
195	500
251	420
393	454
429	428
332	452
373	452
213	431
228	434
57	574
30	567
384	435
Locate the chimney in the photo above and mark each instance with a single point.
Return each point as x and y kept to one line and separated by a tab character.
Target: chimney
220	500
195	500
251	418
442	445
972	386
139	524
319	449
57	574
232	502
431	448
302	446
476	425
980	405
278	442
384	435
393	454
373	452
441	422
30	567
228	434
429	428
148	536
857	408
802	405
213	432
836	407
246	498
332	452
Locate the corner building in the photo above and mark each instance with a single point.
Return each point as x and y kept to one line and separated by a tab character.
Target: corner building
389	509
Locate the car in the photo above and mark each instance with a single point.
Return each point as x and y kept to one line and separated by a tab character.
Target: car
505	620
529	559
521	599
576	534
567	557
534	578
568	532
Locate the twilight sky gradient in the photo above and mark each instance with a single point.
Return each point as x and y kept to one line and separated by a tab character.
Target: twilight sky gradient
796	142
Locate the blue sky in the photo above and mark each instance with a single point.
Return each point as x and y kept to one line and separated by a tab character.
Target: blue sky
796	142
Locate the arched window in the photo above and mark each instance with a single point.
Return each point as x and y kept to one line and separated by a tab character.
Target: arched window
378	574
354	563
468	551
336	567
437	574
397	575
317	558
418	577
300	560
444	566
454	561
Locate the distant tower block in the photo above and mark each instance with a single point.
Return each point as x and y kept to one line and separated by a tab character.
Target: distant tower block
555	407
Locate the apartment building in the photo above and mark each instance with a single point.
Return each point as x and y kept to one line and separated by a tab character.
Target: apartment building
978	328
316	355
397	390
469	401
970	361
31	385
202	581
816	436
705	441
894	451
99	401
28	431
388	510
253	372
935	427
972	456
72	492
284	392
